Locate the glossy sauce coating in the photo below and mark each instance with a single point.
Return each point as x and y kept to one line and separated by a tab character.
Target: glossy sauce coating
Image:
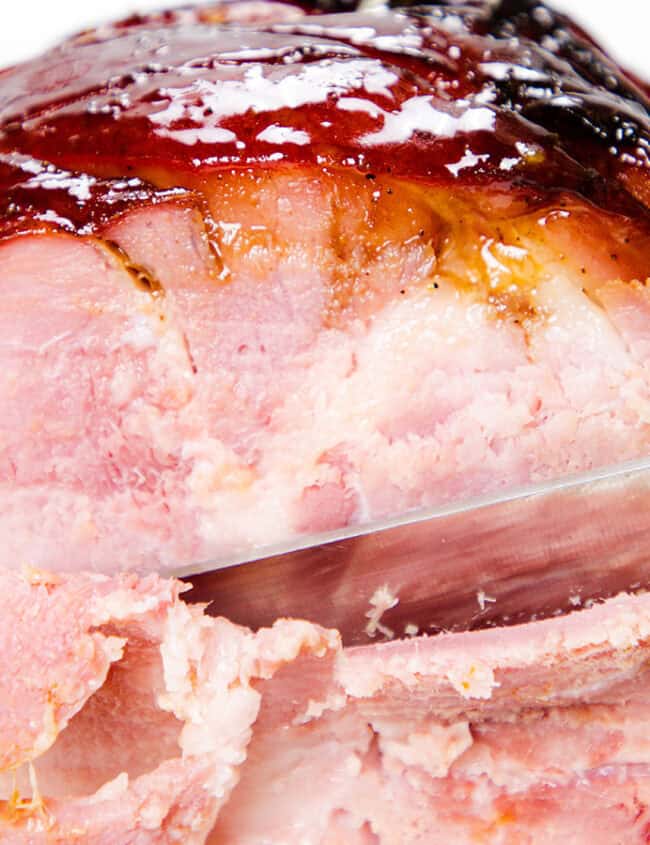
473	93
36	195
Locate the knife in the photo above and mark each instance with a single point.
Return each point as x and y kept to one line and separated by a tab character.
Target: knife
521	555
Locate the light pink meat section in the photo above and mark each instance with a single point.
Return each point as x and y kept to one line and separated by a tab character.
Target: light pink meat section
125	713
172	726
313	388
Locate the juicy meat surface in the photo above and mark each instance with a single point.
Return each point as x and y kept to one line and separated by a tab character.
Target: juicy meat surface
144	721
267	272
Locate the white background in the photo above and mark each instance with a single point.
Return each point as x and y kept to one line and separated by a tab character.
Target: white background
28	26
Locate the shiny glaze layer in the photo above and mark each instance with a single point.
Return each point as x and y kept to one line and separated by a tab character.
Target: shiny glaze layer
476	92
37	196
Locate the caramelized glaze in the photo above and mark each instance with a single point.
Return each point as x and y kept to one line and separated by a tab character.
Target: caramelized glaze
35	196
509	94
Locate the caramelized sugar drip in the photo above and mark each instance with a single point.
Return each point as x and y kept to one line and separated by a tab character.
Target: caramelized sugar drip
142	277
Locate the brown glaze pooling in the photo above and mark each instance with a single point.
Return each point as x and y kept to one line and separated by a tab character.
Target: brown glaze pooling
509	94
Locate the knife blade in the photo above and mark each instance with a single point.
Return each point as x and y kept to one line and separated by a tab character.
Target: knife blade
524	554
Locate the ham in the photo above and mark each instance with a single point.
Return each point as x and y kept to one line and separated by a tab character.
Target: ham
220	226
141	720
266	272
125	714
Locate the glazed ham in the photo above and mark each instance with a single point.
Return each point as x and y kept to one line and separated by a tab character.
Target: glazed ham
266	274
268	271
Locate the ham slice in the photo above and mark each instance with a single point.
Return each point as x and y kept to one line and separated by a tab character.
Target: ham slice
322	269
129	716
126	713
265	272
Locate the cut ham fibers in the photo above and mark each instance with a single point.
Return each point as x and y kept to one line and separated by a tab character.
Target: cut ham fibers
129	717
269	270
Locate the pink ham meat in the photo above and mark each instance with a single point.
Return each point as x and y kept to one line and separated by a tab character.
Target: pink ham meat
129	717
125	714
266	273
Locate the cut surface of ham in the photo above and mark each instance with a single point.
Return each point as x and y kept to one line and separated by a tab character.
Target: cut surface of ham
138	719
319	268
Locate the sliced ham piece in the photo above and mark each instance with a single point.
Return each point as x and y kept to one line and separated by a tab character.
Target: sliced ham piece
125	713
131	717
322	269
265	272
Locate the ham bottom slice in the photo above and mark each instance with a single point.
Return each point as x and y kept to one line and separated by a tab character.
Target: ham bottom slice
267	272
128	716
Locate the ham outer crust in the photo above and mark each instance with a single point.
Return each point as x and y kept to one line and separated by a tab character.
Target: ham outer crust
534	734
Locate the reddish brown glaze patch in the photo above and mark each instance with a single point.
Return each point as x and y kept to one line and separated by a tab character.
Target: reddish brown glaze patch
482	92
36	196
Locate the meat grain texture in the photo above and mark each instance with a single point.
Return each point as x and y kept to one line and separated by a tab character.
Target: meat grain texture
142	720
268	271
